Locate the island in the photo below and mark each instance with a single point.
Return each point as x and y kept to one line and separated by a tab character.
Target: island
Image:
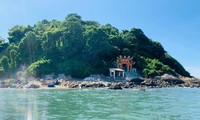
76	53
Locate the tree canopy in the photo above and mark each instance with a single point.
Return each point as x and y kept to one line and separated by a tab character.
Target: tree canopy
79	48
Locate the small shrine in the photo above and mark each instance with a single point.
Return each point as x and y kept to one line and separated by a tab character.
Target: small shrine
116	72
125	63
124	68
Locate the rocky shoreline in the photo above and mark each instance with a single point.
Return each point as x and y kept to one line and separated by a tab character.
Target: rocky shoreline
138	83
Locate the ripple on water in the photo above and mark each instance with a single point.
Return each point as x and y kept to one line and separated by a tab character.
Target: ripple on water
162	103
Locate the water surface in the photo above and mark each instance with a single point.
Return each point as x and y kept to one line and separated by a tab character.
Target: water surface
100	104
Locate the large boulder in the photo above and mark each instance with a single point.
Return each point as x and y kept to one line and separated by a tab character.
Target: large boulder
73	84
115	87
96	85
91	85
136	81
190	82
32	85
150	82
171	79
56	82
86	85
51	85
129	85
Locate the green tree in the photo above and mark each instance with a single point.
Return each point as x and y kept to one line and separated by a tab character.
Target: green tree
3	45
5	65
17	33
27	48
39	68
73	42
154	67
97	42
14	60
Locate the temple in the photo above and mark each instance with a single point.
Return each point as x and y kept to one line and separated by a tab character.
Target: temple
124	68
125	63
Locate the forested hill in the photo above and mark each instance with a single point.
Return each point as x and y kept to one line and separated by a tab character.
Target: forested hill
80	48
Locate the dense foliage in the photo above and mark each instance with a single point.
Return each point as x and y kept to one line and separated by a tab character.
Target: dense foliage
80	48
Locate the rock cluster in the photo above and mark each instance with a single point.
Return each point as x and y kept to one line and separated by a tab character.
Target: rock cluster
140	83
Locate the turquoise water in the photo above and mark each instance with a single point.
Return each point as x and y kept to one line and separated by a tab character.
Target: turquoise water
100	104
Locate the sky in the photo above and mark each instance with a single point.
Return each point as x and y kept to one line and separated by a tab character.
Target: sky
173	23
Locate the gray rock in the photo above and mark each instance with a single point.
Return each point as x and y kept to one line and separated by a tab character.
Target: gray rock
171	79
51	85
115	87
136	81
33	86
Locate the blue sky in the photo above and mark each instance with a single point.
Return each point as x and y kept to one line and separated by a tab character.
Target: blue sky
173	23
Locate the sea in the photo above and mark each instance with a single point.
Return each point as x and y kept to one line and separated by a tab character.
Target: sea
100	104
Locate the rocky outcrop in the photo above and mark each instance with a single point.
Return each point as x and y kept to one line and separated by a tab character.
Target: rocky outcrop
115	87
150	83
163	81
56	82
51	85
72	85
156	82
171	79
190	82
32	85
92	85
129	85
136	81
